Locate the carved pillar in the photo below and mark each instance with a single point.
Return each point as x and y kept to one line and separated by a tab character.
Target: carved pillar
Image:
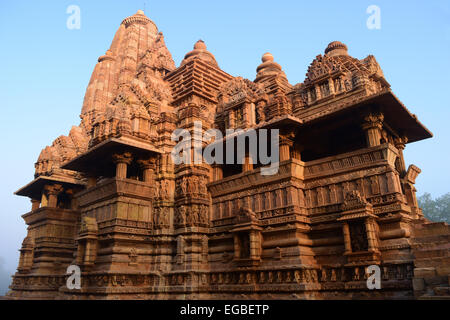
297	151
255	244
35	204
148	167
372	125
318	93
53	191
347	241
231	119
237	246
331	85
286	143
400	145
371	234
122	161
260	106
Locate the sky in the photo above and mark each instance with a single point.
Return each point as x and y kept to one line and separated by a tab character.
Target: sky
45	68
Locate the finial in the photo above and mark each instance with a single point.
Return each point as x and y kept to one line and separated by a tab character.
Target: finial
201	53
200	45
267	57
140	12
336	48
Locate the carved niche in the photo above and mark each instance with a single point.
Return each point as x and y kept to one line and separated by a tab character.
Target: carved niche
360	228
241	103
247	238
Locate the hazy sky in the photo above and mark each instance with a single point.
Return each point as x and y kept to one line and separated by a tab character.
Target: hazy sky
45	68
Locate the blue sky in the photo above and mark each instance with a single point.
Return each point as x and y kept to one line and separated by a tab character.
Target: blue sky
45	67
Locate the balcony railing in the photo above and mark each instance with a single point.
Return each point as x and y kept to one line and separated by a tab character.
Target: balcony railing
363	158
111	187
384	154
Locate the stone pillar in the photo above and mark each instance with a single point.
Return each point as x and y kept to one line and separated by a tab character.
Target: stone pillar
53	191
217	172
44	199
80	252
310	98
237	246
297	151
231	119
318	93
35	204
148	167
400	145
347	240
122	161
371	234
254	244
286	143
248	163
372	125
331	86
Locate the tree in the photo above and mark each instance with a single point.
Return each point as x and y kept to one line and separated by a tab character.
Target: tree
436	210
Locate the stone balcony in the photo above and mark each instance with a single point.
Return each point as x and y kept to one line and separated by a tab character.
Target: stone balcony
366	158
49	213
250	179
112	187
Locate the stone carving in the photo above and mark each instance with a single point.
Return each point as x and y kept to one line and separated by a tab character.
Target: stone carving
245	215
161	217
353	200
358	237
239	234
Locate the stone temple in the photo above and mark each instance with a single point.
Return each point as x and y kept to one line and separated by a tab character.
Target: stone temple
110	199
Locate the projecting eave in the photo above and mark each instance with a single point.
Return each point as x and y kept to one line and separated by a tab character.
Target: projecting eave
33	189
413	128
396	115
100	155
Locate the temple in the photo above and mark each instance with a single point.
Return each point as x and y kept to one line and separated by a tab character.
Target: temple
110	199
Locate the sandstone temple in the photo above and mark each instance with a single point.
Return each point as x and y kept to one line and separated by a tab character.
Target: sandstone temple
109	198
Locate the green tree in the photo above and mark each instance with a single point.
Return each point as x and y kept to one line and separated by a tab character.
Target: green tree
435	209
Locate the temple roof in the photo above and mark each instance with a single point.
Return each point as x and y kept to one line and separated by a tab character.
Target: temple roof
268	68
136	44
200	52
337	60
